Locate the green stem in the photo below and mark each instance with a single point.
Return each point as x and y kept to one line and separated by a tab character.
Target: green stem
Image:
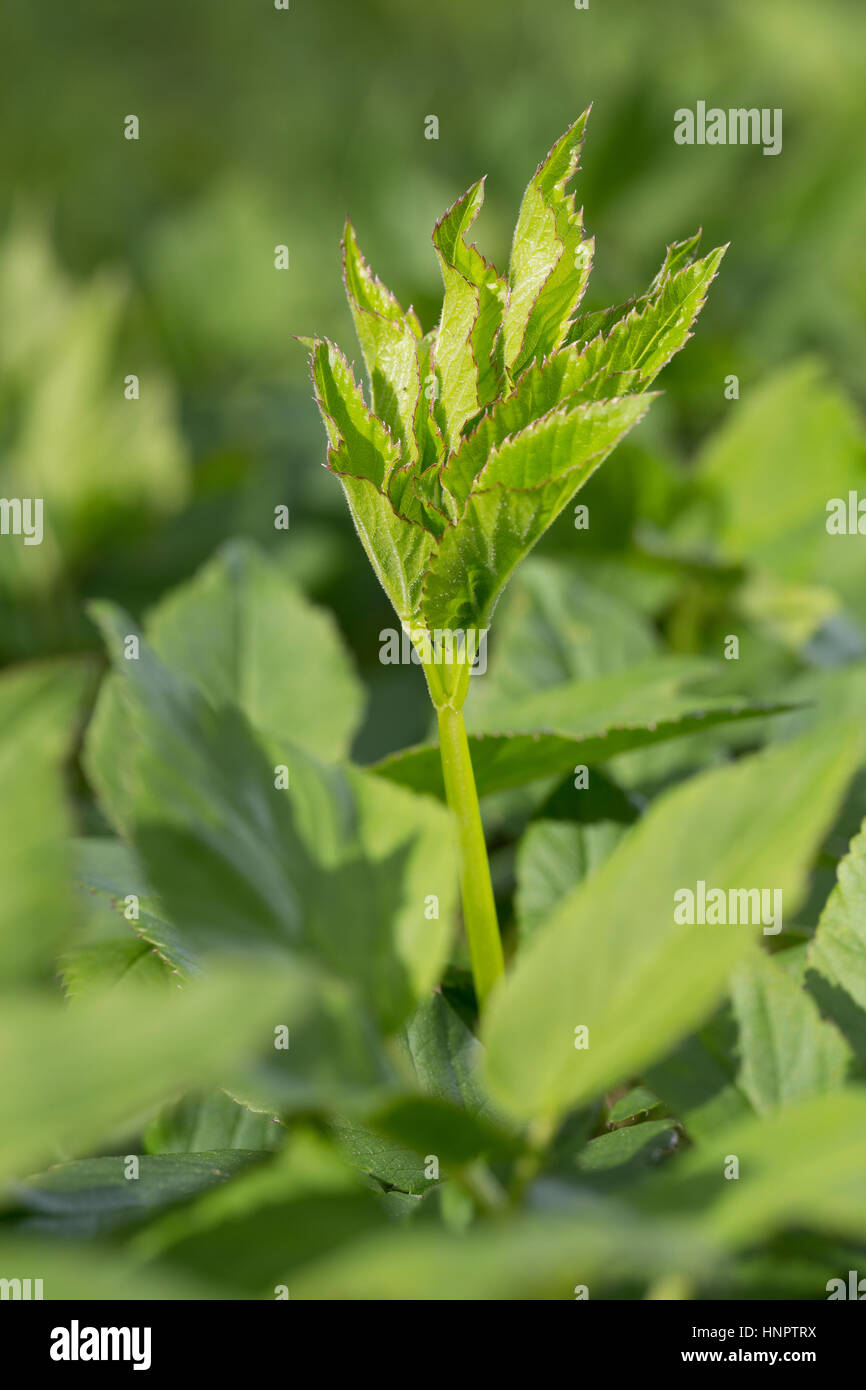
479	908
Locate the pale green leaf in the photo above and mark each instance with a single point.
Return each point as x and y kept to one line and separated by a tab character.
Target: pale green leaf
360	443
445	1055
613	959
600	321
786	1050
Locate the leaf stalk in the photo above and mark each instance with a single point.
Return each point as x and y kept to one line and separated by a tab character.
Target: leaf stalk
476	888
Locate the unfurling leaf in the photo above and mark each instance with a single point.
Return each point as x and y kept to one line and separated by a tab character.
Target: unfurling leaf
478	434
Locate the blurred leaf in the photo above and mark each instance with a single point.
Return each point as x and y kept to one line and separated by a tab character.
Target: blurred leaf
784	452
803	1165
613	960
786	1050
445	1054
211	1121
246	637
254	1232
430	1125
552	857
393	1164
71	1074
91	970
105	462
601	800
37	708
337	864
698	1079
109	870
73	1271
94	1195
635	1102
554	628
532	1257
617	1157
453	1120
836	958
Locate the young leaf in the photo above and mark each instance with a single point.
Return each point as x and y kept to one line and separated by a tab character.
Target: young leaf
599	322
389	341
467	349
510	420
647	338
522	488
550	258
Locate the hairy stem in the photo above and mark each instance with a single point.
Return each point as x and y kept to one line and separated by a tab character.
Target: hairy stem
479	908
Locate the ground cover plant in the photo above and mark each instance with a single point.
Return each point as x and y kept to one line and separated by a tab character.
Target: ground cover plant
568	1004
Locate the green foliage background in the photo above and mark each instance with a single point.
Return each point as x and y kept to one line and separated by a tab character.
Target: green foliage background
156	257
